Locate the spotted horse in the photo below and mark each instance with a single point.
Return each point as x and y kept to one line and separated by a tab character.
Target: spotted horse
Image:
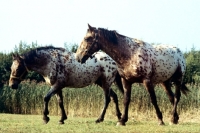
60	69
139	62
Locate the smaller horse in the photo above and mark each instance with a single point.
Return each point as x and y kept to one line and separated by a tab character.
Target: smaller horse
60	69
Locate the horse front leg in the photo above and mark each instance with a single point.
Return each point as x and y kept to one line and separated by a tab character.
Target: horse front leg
59	97
46	101
150	88
106	103
127	97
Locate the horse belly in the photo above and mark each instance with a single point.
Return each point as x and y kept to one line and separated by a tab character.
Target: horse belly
131	74
163	71
82	80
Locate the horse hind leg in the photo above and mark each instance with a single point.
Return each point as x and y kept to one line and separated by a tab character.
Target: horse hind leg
177	80
113	95
106	103
108	94
177	96
167	87
59	97
174	101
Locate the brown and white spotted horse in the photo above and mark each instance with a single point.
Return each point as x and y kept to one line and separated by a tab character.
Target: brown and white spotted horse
139	62
60	69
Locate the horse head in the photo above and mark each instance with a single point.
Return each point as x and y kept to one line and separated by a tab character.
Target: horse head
89	45
18	71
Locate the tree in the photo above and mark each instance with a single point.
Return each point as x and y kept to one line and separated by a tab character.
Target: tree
5	63
192	74
72	47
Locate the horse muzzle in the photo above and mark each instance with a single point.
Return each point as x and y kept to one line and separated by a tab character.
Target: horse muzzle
83	60
13	86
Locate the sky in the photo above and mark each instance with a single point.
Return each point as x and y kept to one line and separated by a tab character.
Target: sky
55	22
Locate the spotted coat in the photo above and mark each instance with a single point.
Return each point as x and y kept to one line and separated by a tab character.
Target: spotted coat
62	68
158	62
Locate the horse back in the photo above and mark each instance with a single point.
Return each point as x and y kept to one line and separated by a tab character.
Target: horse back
165	61
156	62
108	66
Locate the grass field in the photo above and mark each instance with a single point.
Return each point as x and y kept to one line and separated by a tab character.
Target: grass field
12	123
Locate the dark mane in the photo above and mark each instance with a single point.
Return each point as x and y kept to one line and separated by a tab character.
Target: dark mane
30	55
50	47
110	35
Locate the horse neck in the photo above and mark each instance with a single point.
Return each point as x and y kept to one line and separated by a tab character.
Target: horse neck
119	52
36	63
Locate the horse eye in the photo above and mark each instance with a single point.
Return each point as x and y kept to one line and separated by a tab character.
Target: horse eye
17	70
87	39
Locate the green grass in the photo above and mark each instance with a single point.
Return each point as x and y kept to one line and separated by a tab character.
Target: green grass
12	123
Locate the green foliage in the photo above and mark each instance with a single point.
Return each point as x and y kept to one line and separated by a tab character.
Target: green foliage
74	48
71	46
5	63
192	74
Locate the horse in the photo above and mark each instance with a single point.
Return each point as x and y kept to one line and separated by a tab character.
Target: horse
60	69
139	62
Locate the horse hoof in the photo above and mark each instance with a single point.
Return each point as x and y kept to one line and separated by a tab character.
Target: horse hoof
173	123
161	123
121	123
61	122
99	121
46	120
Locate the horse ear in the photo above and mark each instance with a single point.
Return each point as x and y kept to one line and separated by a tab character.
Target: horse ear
13	56
90	28
18	56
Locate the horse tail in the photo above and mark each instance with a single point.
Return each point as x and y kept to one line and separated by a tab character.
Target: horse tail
184	89
119	82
